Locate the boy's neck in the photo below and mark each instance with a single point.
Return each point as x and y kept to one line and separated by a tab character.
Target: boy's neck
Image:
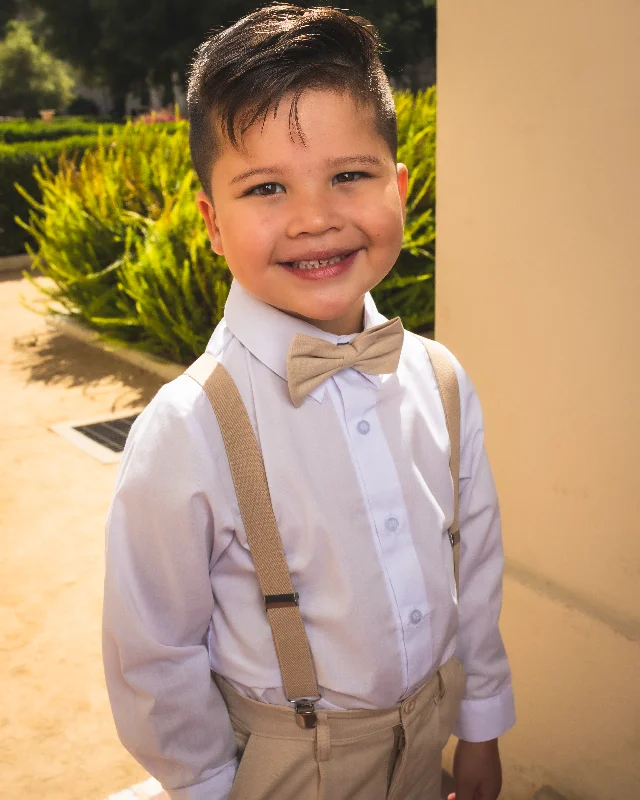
351	322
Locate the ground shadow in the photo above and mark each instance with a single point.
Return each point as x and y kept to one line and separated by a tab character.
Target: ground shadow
53	359
15	275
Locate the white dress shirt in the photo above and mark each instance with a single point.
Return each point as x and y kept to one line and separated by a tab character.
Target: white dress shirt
362	494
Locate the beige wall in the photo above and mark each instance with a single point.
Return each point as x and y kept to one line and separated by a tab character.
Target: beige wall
538	294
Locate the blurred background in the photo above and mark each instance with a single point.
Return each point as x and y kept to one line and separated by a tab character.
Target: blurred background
122	57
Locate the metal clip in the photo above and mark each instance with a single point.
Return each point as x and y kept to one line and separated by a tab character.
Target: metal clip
281	600
305	711
454	538
306	714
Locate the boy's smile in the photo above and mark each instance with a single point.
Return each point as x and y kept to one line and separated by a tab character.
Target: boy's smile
309	226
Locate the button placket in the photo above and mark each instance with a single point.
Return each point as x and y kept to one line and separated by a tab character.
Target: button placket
381	486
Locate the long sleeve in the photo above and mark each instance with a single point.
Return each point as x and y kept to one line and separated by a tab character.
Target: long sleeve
487	709
158	604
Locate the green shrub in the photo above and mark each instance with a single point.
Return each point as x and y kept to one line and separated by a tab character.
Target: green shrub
120	235
17	162
92	212
179	286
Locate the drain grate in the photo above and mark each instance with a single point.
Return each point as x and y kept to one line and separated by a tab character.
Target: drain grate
112	434
103	437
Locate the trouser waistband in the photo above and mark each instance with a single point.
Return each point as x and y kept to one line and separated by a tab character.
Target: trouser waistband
274	720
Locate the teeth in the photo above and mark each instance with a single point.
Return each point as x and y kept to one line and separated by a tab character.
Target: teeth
316	264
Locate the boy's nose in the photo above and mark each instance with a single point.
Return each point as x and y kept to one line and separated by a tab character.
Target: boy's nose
313	215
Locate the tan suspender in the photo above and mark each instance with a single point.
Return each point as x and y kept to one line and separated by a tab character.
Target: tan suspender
447	381
252	490
254	501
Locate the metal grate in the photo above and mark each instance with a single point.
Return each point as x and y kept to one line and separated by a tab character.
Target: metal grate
111	434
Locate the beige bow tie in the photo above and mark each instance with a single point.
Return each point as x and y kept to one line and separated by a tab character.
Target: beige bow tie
311	361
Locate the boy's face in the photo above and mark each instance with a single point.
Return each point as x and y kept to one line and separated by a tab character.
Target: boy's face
281	208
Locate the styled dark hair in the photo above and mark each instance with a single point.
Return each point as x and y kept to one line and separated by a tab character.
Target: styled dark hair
241	73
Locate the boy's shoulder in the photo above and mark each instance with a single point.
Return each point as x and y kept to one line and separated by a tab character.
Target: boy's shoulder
171	447
470	407
181	401
418	346
173	416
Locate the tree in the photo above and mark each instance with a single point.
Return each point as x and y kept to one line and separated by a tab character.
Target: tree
30	77
125	44
408	32
8	11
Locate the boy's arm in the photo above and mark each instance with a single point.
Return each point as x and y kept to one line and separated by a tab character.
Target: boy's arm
158	602
487	709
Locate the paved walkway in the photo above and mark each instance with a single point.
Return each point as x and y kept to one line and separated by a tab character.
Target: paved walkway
57	739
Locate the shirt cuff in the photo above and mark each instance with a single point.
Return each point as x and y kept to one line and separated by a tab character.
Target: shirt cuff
217	787
482	720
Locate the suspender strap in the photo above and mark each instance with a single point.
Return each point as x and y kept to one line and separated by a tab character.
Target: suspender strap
254	500
447	381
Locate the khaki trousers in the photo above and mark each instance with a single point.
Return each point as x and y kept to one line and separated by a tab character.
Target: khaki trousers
388	754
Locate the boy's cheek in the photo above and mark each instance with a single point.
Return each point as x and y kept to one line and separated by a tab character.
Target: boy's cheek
386	220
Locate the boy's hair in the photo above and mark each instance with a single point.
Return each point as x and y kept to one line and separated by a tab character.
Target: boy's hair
239	74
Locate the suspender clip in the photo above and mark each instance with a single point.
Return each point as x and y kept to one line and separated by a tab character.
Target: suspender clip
454	538
306	714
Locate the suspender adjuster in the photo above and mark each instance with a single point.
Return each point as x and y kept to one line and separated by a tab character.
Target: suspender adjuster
281	600
454	538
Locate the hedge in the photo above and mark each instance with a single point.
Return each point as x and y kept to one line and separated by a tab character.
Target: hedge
23	130
17	162
121	238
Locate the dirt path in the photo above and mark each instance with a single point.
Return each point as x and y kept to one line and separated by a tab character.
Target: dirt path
57	738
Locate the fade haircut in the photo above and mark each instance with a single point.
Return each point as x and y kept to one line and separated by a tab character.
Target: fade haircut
242	73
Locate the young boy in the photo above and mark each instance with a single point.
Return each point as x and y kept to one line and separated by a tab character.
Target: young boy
347	676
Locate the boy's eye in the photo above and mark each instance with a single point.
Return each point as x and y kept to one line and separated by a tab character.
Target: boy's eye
265	189
350	177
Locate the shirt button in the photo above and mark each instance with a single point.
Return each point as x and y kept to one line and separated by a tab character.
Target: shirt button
415	616
391	524
363	427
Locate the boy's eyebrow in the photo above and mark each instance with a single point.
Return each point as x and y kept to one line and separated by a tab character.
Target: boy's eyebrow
275	168
342	161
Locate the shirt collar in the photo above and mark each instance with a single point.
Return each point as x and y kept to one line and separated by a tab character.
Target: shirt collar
268	332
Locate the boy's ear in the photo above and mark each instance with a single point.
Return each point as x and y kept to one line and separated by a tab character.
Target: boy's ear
206	208
403	184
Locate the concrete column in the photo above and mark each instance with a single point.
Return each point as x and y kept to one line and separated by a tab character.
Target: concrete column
538	294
